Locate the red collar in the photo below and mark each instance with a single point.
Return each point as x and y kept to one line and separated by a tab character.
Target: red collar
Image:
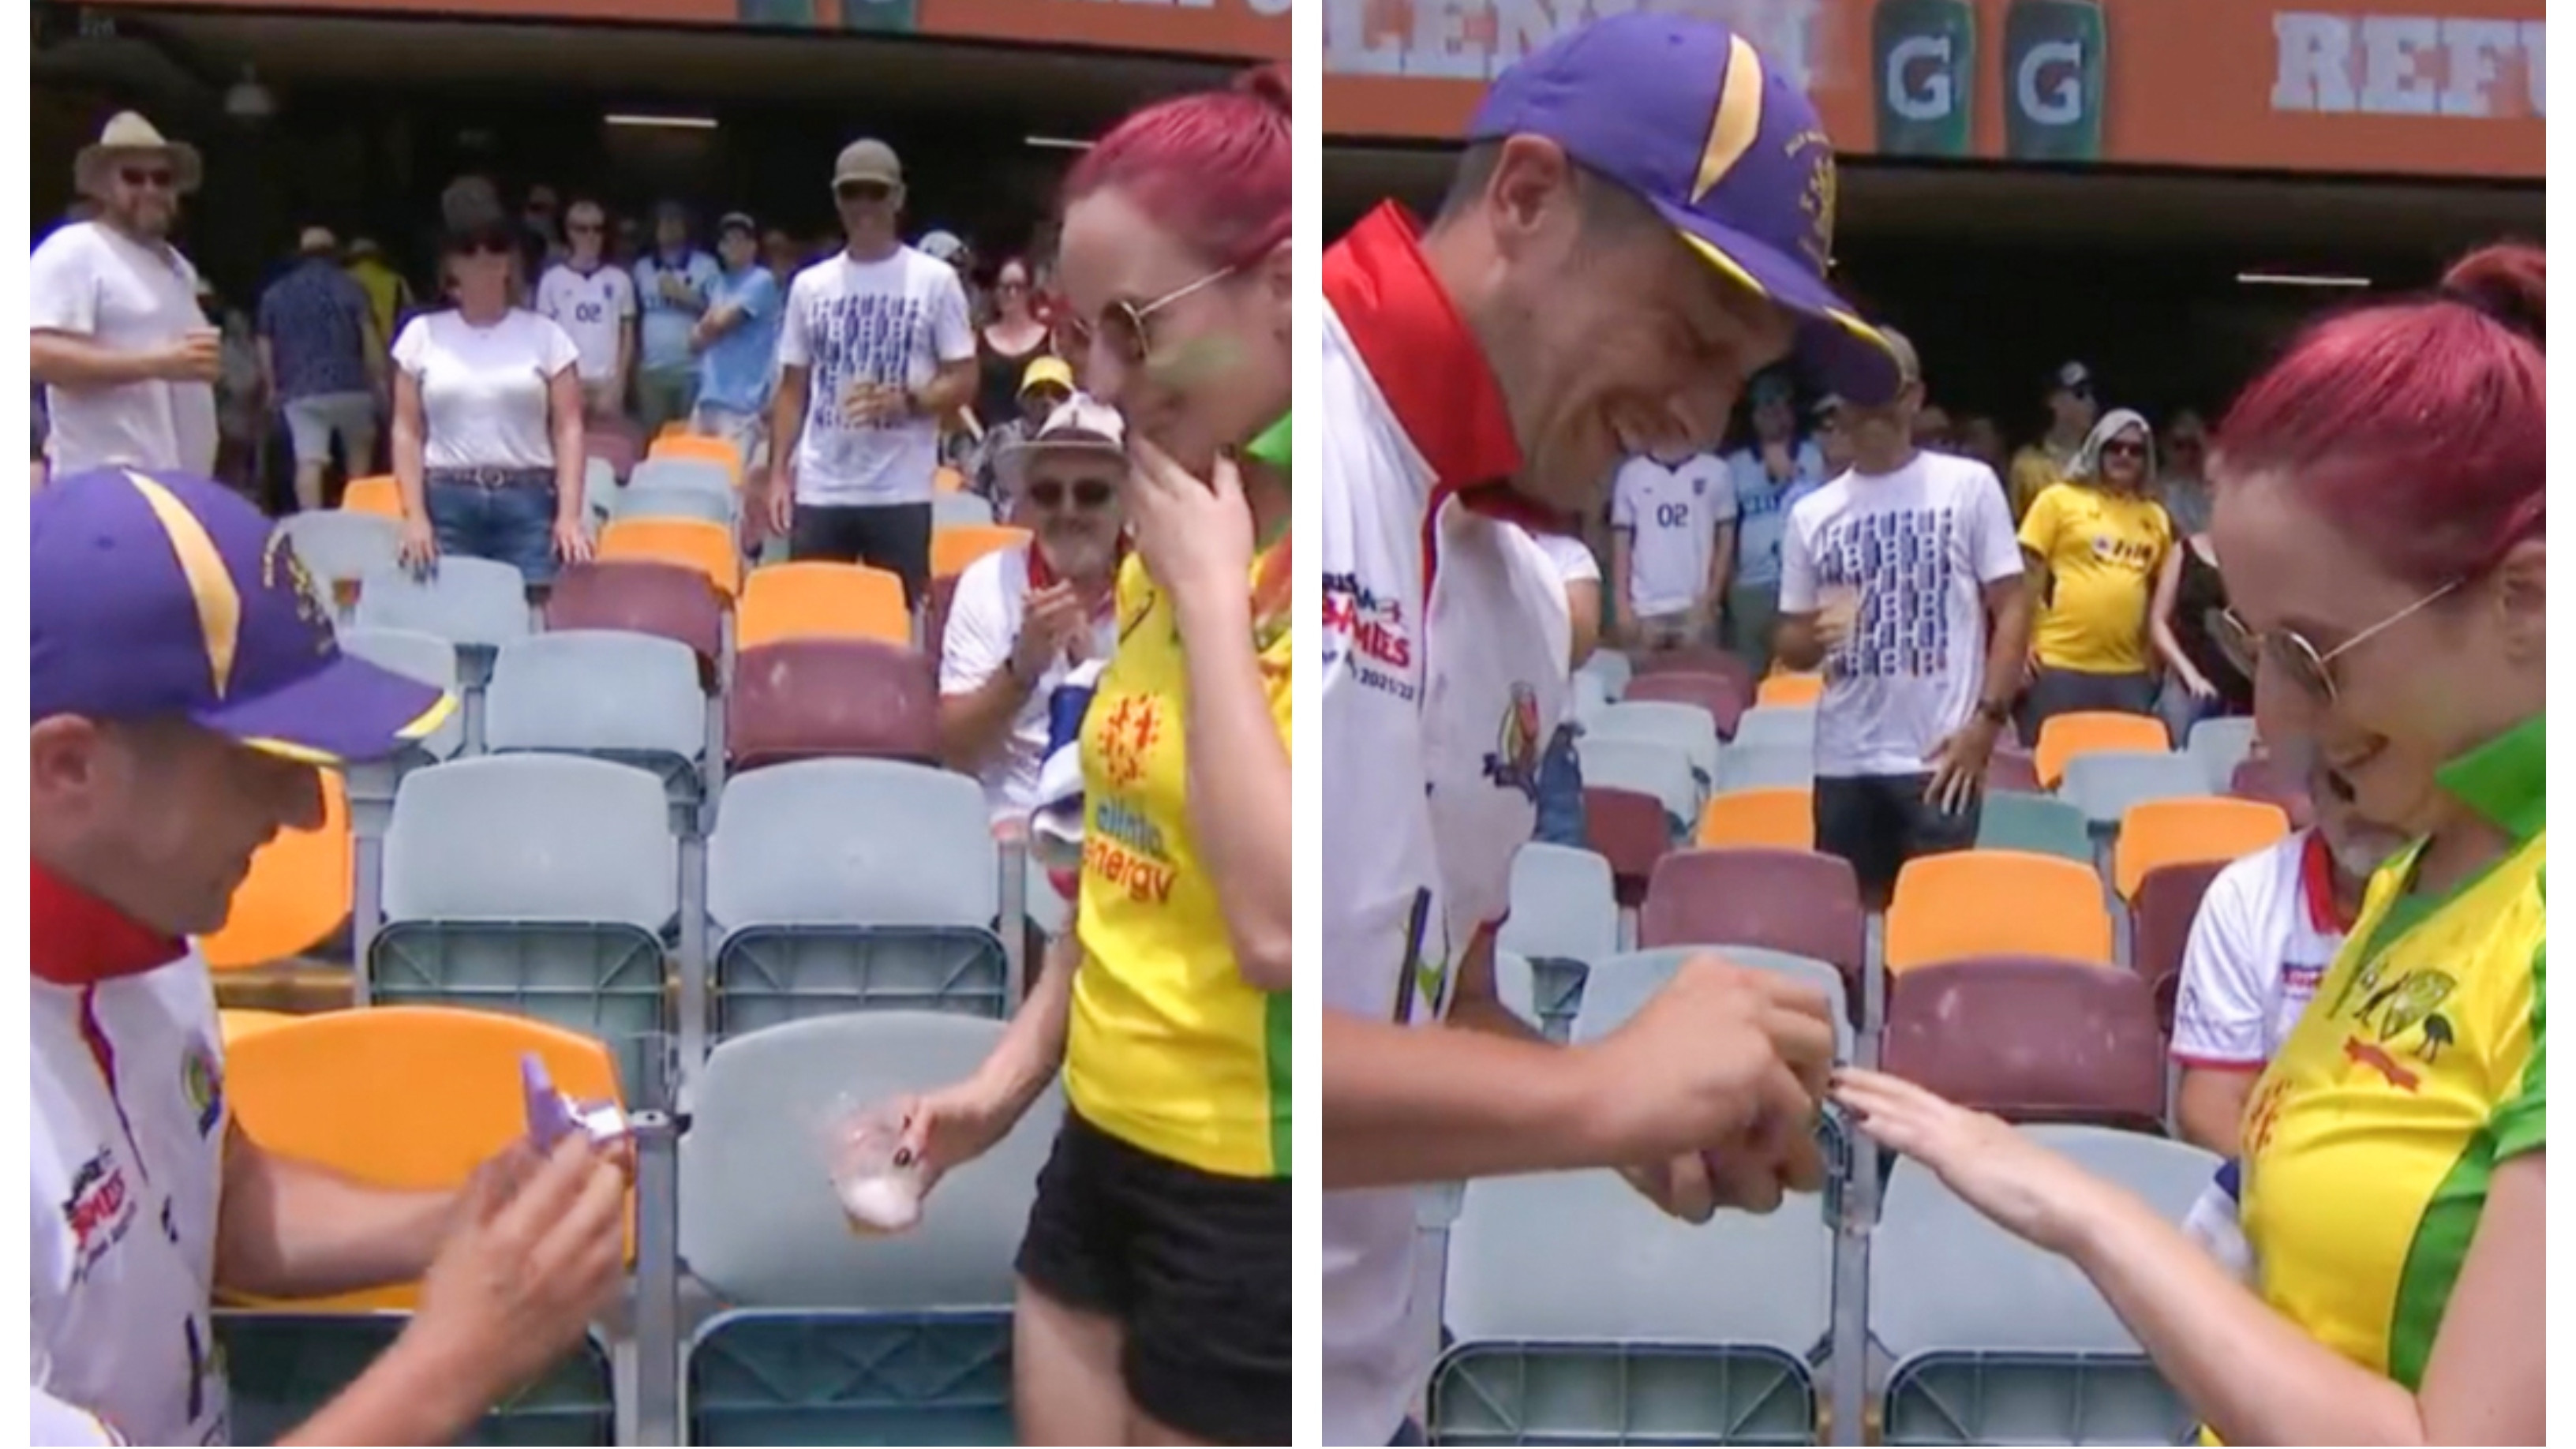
1041	574
1430	367
2316	882
76	939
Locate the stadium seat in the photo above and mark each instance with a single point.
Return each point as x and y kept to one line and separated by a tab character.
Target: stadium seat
1613	670
2038	824
2030	1039
954	510
1699	660
631	698
239	1022
1658	767
1756	767
1564	915
1579	1314
1790	689
695	543
1777	726
821	601
683	472
2168	832
2161	914
297	893
1718	696
614	446
1631	831
953	548
1796	901
697	447
1590	697
1995	902
339	548
1683	727
2010	769
832	1336
424	657
948	480
534	884
2105	784
2066	736
379	495
2270	779
1615	988
801	699
1782	816
666	600
660	500
1993	1341
476	604
281	1368
1516	986
842	884
2221	744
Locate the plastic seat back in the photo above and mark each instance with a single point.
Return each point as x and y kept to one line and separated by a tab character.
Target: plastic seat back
297	894
415	655
1658	767
954	547
620	696
2169	832
660	500
379	495
339	547
1782	817
1797	901
1683	727
664	471
1755	767
1718	696
1995	902
821	601
2084	732
1630	830
2106	783
1563	905
1616	988
2161	914
807	698
2031	1039
2221	744
2037	824
1790	689
669	601
1612	668
699	447
1782	726
692	543
953	510
472	602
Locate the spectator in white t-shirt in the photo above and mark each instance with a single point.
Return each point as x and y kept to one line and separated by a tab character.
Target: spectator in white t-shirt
116	335
488	436
1022	617
1672	544
875	350
1888	575
593	301
1769	475
2268	928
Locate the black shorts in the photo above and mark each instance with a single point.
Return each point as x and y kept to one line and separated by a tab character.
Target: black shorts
891	536
2067	691
1879	822
1194	1267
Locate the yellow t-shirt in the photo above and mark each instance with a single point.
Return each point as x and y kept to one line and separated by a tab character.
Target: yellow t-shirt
2035	470
2102	551
2419	1069
1170	1050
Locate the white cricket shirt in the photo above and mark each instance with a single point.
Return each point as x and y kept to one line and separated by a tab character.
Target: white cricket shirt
1444	672
1671	513
127	1140
2266	933
593	309
983	629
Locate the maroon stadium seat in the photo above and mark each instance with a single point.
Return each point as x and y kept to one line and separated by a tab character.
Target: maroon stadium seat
614	442
1797	901
799	699
2012	770
2269	779
643	597
1698	660
2031	1039
1722	695
1628	829
934	633
2160	920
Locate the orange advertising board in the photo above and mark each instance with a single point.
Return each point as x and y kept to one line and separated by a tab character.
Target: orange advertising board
2451	87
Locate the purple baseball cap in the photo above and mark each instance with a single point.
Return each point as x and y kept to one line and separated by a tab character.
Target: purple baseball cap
1688	116
159	594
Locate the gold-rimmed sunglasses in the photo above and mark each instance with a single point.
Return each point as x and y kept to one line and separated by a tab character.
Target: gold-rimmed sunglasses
2302	662
1127	326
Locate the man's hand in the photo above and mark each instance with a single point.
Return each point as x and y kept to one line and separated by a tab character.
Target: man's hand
782	498
1723	1066
197	356
1052	619
1959	765
535	1254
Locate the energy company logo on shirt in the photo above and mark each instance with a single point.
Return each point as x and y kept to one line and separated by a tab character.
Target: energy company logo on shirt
1514	762
1127	735
2134	553
1368	628
98	1211
1124	850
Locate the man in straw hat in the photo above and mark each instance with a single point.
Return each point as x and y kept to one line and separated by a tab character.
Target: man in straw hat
186	694
126	355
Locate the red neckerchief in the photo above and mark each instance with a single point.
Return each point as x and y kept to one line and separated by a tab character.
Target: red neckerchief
1431	370
76	939
2316	882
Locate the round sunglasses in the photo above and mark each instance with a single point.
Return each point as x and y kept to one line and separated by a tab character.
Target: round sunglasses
2300	661
1126	327
1088	494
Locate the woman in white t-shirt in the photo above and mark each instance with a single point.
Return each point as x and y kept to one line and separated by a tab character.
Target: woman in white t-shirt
488	422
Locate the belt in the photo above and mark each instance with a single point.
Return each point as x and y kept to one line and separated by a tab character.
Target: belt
492	478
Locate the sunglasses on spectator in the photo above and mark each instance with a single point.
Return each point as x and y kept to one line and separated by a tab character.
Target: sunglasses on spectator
1088	494
159	178
863	191
1127	326
2305	665
2124	450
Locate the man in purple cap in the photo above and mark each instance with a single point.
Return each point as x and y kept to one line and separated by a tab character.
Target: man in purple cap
1641	222
186	691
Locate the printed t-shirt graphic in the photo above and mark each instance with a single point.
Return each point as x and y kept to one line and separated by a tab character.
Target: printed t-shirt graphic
2102	551
887	323
2420	1068
1169	1049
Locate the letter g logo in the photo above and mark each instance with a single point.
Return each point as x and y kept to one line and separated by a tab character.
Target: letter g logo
1918	78
2048	85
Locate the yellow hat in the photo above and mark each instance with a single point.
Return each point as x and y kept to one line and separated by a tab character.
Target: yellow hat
1054	371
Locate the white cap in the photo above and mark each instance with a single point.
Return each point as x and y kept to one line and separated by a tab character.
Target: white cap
944	245
1077	425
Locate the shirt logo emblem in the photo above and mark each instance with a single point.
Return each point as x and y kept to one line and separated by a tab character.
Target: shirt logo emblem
1514	762
2390	1012
203	1081
98	1211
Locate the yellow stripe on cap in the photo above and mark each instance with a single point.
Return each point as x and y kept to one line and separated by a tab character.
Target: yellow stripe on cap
210	584
419	728
1708	251
1738	119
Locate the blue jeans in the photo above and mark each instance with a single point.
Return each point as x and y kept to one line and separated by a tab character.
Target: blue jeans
1560	792
512	524
2180	711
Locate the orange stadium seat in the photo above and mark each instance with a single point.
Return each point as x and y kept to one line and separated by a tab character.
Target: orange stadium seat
298	892
693	542
1781	816
379	494
698	445
408	1097
242	1022
2175	832
821	600
1996	903
2068	735
1790	689
954	547
949	480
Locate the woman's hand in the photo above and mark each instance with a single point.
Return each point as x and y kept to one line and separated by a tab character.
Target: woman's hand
572	540
419	547
951	1127
1195	536
2198	684
2027	1190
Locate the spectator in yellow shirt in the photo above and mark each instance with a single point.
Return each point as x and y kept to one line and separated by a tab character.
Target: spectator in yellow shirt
2071	411
2093	547
389	299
